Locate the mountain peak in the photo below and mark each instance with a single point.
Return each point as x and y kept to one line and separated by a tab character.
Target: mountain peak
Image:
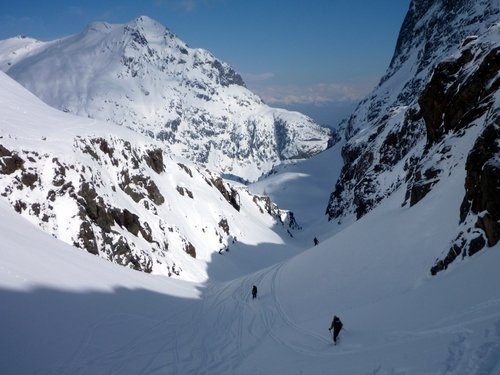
144	77
146	21
149	27
430	24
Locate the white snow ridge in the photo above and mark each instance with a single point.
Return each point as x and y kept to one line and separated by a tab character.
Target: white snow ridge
121	255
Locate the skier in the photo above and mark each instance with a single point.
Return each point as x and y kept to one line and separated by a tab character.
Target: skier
254	292
316	241
336	326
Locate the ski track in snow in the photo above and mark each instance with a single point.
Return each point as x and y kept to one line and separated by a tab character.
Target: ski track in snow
226	327
463	359
233	313
238	327
277	310
242	324
266	318
127	349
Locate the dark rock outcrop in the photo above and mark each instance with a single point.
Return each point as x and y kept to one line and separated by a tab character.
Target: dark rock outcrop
154	159
482	183
9	162
453	99
229	193
139	187
223	224
87	238
480	208
29	179
190	249
286	218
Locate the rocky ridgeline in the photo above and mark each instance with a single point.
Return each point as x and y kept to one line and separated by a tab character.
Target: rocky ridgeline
440	90
127	203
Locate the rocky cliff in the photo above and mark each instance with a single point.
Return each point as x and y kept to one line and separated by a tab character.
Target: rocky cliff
433	115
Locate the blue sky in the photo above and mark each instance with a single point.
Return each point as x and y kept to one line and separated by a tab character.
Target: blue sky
317	56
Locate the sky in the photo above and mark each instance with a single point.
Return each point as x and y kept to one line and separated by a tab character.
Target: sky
319	57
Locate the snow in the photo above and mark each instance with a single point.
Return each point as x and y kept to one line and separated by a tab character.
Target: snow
303	188
51	138
65	311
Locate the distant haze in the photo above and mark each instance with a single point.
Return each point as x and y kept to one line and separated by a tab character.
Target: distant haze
329	115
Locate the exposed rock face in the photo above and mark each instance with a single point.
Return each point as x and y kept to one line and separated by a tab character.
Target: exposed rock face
461	91
154	159
441	86
480	209
453	100
229	194
147	79
287	218
190	249
9	163
482	183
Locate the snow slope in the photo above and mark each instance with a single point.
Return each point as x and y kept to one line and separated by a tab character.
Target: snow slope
301	187
374	275
65	311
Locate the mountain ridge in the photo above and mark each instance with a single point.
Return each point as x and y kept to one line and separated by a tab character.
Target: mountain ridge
140	75
119	195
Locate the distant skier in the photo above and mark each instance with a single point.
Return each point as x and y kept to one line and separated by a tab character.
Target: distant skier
254	292
336	326
316	241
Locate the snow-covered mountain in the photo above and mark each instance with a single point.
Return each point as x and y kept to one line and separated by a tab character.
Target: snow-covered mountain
140	75
65	311
437	106
117	194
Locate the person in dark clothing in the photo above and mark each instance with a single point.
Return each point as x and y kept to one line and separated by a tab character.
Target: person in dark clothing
254	292
316	241
336	326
